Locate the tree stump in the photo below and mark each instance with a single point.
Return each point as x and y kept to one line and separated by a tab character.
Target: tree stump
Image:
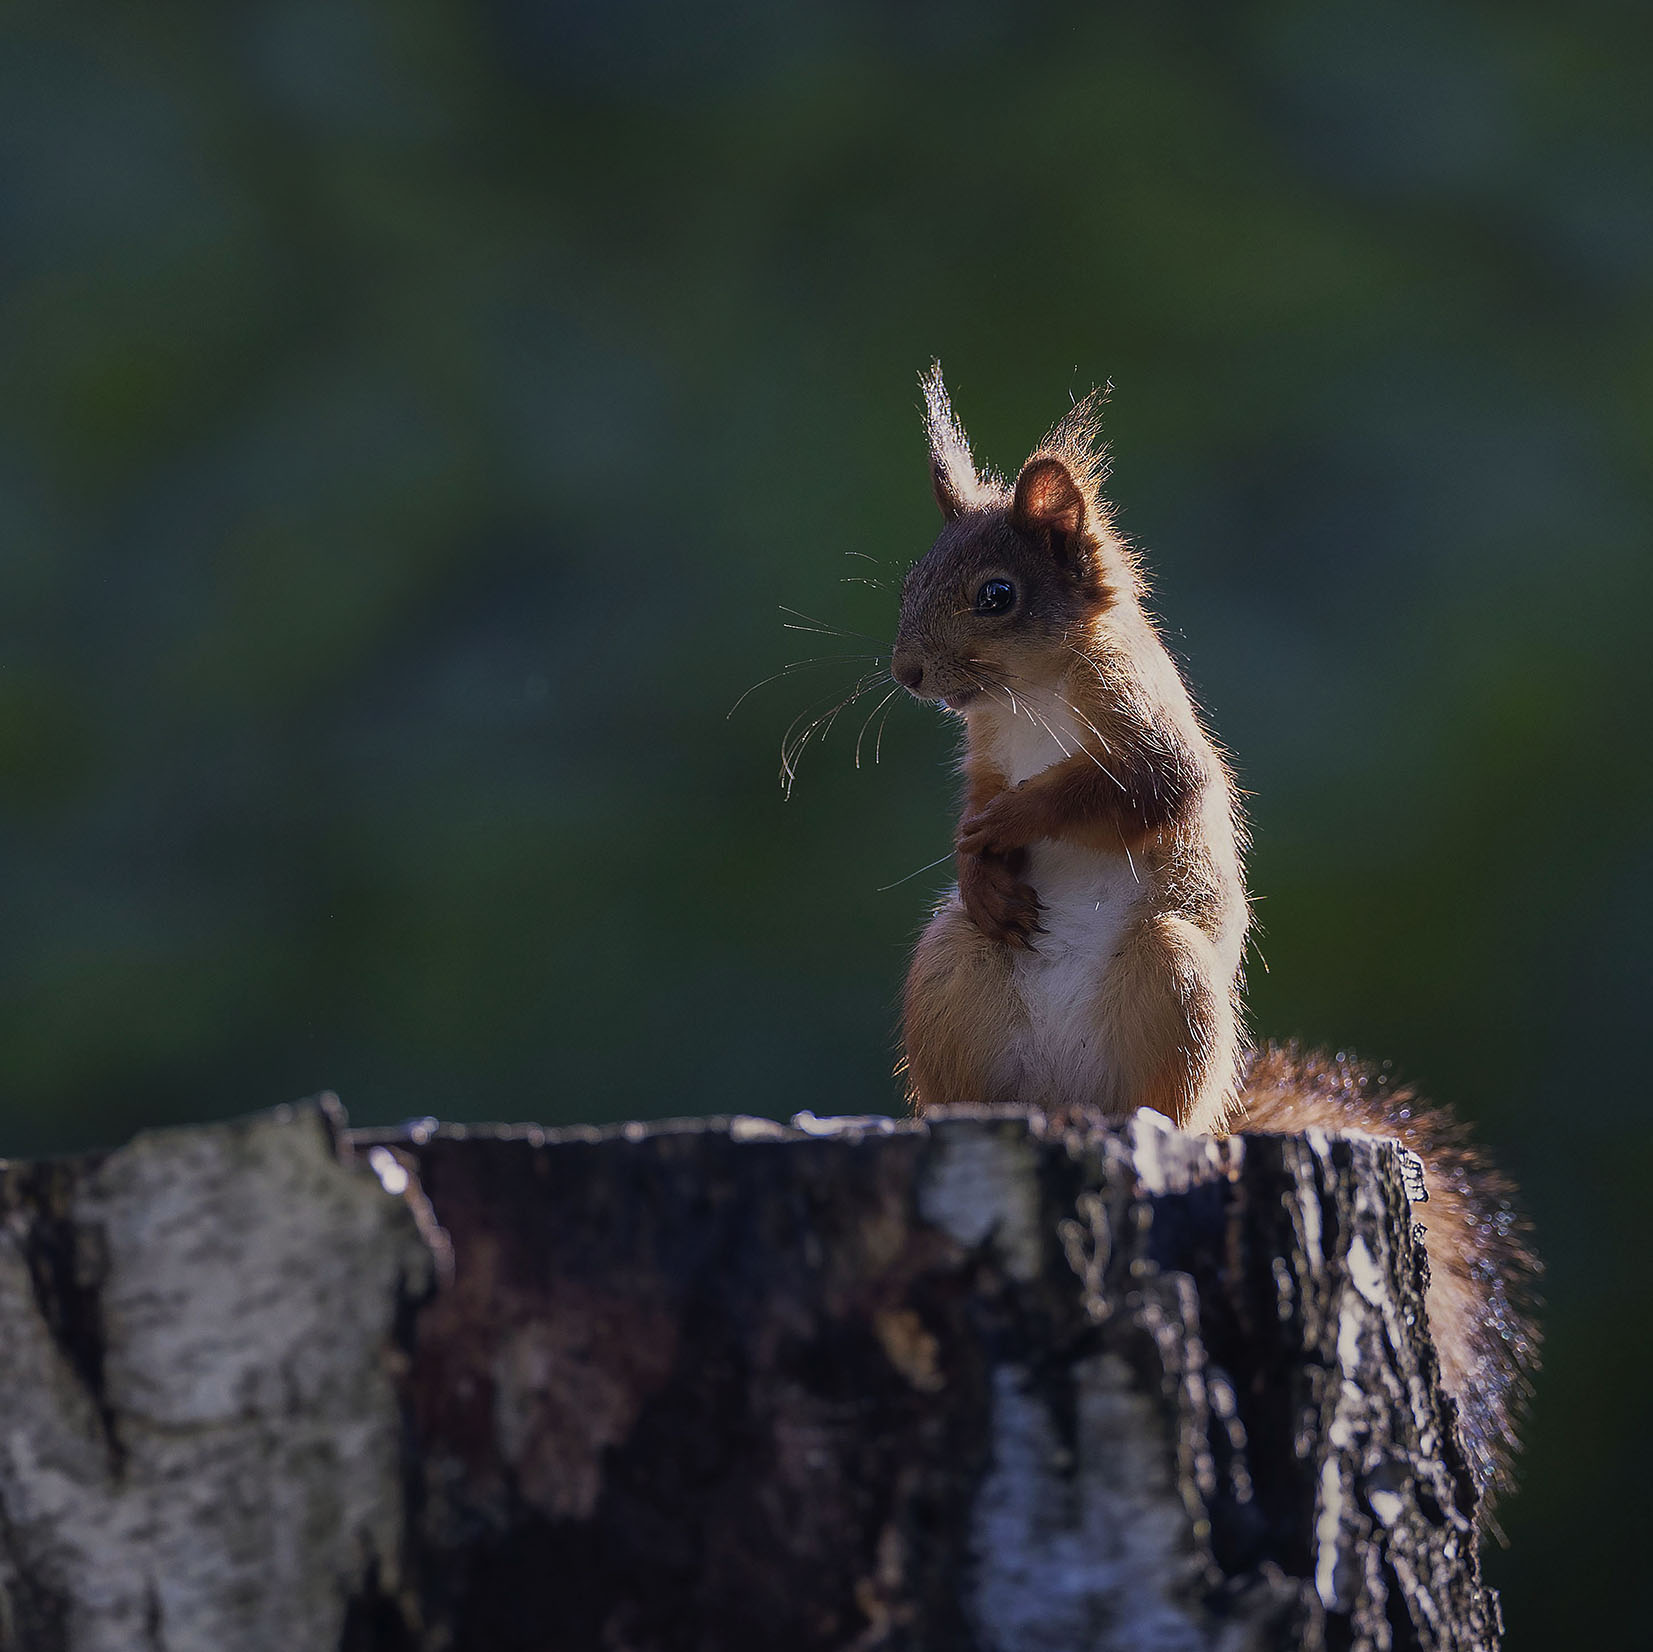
719	1385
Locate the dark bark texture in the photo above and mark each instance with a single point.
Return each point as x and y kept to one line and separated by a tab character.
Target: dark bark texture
959	1386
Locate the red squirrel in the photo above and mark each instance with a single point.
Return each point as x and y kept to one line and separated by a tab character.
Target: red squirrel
1088	962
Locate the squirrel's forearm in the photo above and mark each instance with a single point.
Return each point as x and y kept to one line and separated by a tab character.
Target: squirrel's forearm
1126	796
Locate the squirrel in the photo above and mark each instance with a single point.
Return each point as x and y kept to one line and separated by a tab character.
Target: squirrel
1089	960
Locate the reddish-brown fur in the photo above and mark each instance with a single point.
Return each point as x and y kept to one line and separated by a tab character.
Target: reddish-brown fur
1123	795
1138	786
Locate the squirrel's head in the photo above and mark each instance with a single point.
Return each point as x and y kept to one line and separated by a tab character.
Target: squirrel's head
1018	573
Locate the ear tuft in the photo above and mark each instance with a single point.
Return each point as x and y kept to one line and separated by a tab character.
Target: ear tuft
952	470
1049	501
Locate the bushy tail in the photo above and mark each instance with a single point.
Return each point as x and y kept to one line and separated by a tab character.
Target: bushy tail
1481	1264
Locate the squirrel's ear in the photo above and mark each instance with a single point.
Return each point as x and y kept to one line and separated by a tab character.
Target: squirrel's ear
952	471
949	499
1049	501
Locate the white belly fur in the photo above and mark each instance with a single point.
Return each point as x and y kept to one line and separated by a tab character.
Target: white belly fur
1089	899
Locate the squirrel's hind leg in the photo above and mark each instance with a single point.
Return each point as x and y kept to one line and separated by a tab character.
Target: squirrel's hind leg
1167	1016
961	1016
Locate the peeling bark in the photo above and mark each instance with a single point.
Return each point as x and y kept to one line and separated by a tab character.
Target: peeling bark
702	1387
200	1447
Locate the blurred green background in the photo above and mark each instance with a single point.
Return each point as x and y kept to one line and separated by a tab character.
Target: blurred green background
412	418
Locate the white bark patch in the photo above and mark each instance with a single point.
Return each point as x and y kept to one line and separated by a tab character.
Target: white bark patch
236	1475
1091	1550
1364	1273
1164	1159
982	1179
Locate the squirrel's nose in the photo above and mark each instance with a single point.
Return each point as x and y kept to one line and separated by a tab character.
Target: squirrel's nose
908	670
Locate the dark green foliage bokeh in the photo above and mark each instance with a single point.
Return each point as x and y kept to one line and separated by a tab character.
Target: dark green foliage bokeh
413	416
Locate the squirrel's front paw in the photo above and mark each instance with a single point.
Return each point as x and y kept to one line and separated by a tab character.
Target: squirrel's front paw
1000	828
1000	905
981	834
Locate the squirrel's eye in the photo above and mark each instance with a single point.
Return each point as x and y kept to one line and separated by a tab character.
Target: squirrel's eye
995	597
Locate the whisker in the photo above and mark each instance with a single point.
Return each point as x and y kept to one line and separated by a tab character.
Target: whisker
1101	740
1078	715
798	665
878	755
838	710
870	715
988	687
831	630
998	681
1061	744
794	743
1130	859
1079	653
919	873
792	747
1042	721
861	683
